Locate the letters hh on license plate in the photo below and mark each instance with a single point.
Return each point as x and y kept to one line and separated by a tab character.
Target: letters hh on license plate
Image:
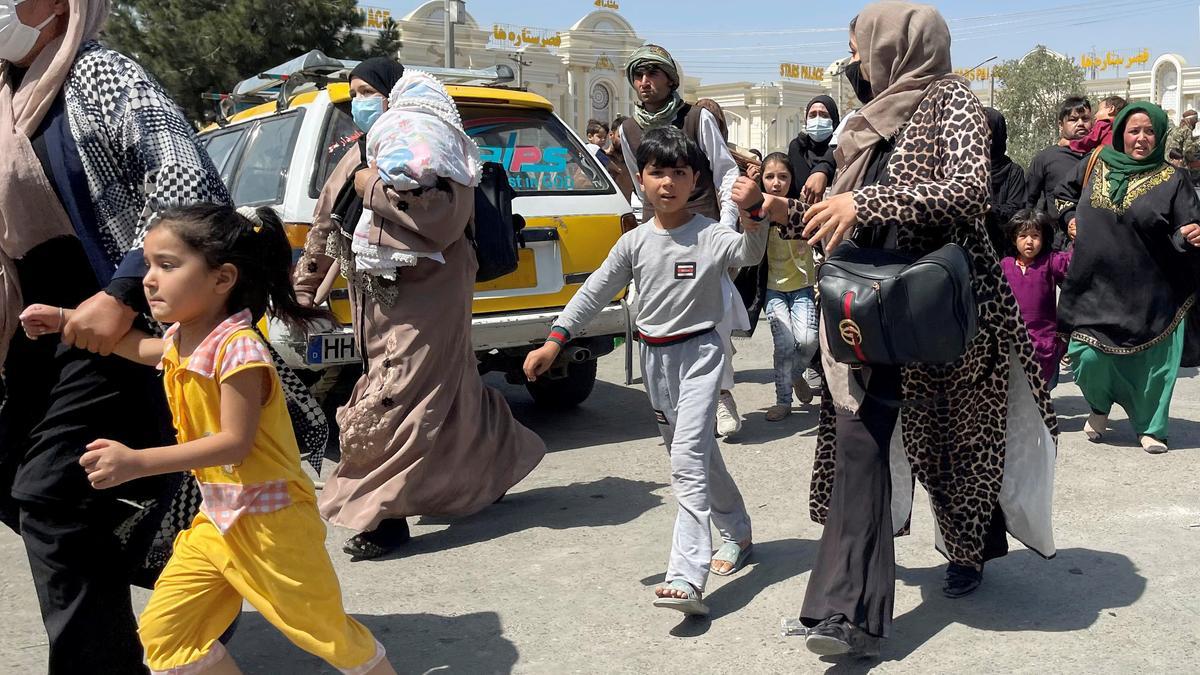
331	349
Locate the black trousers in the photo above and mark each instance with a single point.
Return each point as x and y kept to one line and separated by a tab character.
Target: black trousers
855	571
59	399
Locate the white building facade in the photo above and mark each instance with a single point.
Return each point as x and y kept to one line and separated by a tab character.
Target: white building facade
581	72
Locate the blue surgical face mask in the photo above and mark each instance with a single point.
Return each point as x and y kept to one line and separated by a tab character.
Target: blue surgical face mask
819	128
365	110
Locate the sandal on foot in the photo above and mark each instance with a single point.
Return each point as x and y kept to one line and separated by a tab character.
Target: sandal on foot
730	552
691	605
388	536
1095	427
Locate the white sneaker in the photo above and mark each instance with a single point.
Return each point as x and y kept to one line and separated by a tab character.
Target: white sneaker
1152	445
1095	427
728	420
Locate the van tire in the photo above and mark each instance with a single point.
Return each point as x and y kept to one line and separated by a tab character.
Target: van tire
566	392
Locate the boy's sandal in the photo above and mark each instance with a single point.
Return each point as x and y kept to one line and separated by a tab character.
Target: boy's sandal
691	605
730	552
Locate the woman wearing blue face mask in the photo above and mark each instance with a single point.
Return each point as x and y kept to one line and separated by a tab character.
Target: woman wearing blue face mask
341	201
811	153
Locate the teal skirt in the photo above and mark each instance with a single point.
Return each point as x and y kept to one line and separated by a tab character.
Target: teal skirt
1141	383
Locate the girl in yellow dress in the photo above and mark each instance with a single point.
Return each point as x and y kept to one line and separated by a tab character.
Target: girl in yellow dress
213	272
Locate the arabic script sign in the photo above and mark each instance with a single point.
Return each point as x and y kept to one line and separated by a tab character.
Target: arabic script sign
507	36
607	4
1113	60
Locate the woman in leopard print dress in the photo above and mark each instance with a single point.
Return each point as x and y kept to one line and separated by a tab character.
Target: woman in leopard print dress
914	175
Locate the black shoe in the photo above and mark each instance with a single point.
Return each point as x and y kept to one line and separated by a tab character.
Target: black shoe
387	537
836	636
961	581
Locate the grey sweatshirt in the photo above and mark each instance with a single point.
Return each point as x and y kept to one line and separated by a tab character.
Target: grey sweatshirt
678	275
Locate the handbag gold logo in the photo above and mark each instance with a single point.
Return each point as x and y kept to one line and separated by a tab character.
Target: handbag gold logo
850	332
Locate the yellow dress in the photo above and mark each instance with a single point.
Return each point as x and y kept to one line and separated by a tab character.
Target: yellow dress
258	536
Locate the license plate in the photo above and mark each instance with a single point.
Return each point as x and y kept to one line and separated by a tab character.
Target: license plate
331	349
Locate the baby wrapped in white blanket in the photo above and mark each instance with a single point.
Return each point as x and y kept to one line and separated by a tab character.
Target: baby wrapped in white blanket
419	139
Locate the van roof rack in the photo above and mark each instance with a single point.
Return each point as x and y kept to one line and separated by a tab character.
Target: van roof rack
316	70
496	75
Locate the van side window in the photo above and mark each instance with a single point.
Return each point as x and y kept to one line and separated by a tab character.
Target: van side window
262	176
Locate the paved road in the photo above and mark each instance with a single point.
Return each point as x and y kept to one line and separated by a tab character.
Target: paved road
558	578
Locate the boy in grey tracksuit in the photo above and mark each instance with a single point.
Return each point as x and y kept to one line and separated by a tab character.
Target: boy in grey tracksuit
677	261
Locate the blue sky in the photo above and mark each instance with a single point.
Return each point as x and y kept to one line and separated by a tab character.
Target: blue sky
736	40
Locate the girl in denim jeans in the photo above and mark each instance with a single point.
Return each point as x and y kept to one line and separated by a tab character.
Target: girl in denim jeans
791	306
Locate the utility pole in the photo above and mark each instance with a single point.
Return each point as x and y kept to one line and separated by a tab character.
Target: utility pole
451	10
519	59
992	83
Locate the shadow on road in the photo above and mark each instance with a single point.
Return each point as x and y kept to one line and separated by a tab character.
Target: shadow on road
612	414
802	423
601	503
415	643
1021	592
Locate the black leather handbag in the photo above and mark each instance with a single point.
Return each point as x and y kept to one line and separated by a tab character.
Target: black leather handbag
885	307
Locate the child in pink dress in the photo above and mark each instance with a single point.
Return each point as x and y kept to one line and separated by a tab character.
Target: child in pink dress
1034	274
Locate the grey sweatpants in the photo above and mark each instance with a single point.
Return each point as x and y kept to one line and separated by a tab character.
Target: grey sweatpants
683	381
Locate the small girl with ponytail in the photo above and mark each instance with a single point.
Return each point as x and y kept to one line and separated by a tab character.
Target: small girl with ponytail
212	273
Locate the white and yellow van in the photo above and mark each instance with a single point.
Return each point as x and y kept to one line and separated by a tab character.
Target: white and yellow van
281	152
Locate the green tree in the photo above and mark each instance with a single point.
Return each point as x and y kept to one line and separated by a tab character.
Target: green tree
1029	95
388	43
201	46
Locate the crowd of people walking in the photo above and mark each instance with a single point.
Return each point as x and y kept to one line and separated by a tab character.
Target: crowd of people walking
131	283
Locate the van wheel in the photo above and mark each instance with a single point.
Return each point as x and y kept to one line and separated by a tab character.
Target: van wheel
566	392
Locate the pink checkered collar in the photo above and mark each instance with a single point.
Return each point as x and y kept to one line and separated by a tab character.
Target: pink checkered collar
203	361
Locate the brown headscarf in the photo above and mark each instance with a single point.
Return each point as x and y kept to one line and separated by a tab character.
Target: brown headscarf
904	49
30	212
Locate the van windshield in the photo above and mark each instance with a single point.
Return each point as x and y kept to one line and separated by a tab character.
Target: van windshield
538	152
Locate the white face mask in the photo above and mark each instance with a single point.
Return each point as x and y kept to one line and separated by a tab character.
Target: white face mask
819	128
17	39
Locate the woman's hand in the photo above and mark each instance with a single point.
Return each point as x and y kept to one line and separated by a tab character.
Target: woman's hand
814	188
753	171
1191	232
364	178
539	360
109	464
1072	229
830	221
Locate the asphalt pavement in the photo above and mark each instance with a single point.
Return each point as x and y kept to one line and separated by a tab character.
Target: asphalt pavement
559	577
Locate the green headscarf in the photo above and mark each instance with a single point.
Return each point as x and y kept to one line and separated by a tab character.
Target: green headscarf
1120	165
